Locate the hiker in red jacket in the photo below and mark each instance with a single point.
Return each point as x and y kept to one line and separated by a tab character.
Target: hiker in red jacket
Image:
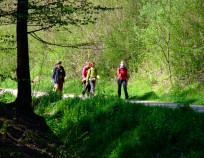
84	74
122	73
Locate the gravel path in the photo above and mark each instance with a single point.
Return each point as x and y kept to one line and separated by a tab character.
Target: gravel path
199	108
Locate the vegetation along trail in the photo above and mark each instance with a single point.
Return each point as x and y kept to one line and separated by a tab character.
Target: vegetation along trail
199	108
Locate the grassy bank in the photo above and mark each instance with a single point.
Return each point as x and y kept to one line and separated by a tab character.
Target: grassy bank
105	126
109	127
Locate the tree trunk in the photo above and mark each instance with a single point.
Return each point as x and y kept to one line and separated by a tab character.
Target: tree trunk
24	99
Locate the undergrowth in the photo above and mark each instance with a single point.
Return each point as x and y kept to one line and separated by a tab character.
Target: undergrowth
104	126
7	97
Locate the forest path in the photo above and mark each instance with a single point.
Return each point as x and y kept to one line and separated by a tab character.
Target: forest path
199	108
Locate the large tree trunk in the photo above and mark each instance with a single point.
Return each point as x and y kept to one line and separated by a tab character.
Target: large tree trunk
24	99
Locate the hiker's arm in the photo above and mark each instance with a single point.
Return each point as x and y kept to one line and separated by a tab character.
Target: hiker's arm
83	73
54	75
118	72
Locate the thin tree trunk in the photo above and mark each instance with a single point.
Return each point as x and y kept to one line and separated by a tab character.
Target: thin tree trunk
24	99
169	42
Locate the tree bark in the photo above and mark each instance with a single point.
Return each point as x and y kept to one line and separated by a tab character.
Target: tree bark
24	99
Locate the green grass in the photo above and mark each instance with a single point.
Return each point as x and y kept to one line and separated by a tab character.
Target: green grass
192	94
7	97
105	126
8	83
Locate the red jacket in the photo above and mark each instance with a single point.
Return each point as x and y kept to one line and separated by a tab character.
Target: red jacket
122	73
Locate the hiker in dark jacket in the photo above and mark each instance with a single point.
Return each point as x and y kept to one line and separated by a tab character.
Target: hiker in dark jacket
122	73
58	75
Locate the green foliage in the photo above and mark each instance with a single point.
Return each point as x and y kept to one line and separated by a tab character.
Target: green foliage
190	95
7	48
104	126
44	14
45	100
8	83
159	40
3	128
7	97
165	133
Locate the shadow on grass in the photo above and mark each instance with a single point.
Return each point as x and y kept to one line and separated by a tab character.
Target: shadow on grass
177	98
147	96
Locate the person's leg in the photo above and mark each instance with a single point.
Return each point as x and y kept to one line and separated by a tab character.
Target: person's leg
119	88
85	88
56	87
60	85
92	84
89	89
125	89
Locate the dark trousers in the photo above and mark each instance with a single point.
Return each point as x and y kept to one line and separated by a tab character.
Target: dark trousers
86	87
92	84
124	83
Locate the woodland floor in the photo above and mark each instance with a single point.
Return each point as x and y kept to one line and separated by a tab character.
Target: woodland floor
25	136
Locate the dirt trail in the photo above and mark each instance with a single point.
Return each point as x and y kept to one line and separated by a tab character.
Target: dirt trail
199	108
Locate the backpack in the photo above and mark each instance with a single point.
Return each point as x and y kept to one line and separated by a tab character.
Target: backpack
122	73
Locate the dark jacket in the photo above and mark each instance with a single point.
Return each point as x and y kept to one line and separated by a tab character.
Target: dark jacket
57	72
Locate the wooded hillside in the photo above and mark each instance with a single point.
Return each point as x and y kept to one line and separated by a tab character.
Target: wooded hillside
161	41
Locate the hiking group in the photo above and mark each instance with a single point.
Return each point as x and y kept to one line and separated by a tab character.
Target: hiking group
89	77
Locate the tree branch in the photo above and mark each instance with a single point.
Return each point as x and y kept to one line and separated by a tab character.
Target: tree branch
78	46
40	29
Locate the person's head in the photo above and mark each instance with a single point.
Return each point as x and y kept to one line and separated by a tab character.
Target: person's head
88	64
58	63
122	63
92	64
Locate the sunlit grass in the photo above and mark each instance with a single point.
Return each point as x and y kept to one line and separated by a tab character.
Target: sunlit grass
113	128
